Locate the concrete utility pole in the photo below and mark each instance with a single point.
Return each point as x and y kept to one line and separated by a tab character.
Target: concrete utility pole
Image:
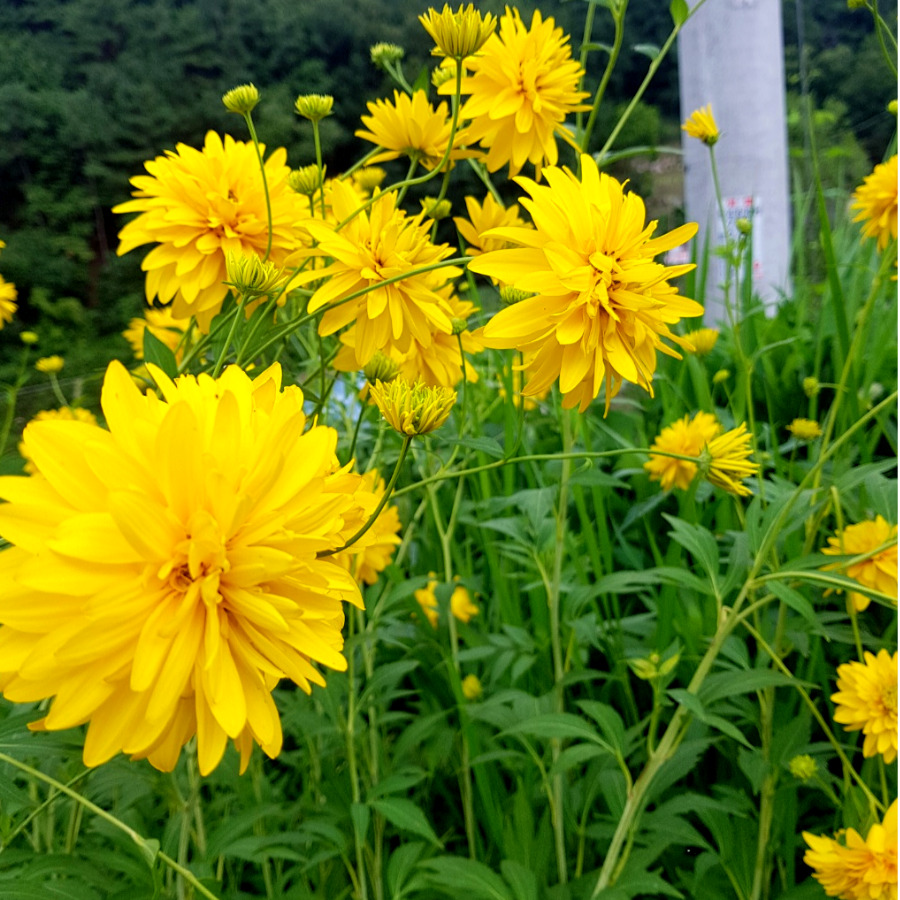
731	54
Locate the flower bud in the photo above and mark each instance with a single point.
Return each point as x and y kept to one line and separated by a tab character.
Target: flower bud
50	365
811	386
471	687
412	409
459	325
381	368
435	209
721	376
803	767
384	55
510	295
250	277
744	226
369	177
306	180
314	107
458	34
241	99
28	337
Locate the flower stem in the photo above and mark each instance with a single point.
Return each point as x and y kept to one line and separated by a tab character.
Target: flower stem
262	168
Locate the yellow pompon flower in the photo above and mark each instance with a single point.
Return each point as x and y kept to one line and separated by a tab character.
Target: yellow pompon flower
50	365
602	304
700	124
64	414
866	700
458	34
484	217
411	126
412	409
161	324
461	605
688	437
8	306
165	572
471	687
876	203
879	570
805	429
520	89
426	598
855	869
196	205
372	553
726	461
377	245
701	341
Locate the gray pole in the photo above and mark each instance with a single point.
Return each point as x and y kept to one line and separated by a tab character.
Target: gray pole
731	55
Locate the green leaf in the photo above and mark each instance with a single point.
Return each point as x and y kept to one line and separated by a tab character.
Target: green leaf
561	726
149	848
404	814
795	601
593	45
609	720
694	705
679	11
520	879
156	352
467	878
699	542
482	445
359	813
575	756
743	681
650	50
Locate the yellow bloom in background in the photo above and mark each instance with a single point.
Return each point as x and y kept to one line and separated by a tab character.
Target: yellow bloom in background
411	126
426	598
518	399
805	429
879	570
29	337
853	868
162	325
461	605
197	205
373	247
372	553
520	88
471	687
412	409
368	178
458	34
482	218
700	124
866	700
164	574
728	461
701	341
50	365
8	296
602	305
64	414
875	201
686	436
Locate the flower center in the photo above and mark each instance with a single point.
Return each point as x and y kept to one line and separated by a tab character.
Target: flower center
889	699
198	561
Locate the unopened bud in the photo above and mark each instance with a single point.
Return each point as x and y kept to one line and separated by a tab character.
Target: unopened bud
811	386
510	295
436	209
381	368
314	107
306	180
383	54
241	99
744	226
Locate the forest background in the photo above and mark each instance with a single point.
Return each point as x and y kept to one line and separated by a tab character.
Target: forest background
90	90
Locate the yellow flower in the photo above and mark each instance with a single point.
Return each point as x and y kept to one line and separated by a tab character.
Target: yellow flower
368	178
857	869
876	202
878	570
727	461
412	409
602	304
458	34
811	386
8	307
461	605
29	337
161	324
688	437
426	598
241	99
64	414
522	86
701	341
50	365
379	244
805	429
700	124
411	126
165	573
372	553
721	376
471	687
196	205
866	700
484	217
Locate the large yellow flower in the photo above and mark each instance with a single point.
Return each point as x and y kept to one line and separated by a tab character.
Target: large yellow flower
64	413
522	86
165	573
602	304
857	869
162	325
688	437
8	295
411	126
375	246
879	570
728	461
876	202
197	205
484	217
866	700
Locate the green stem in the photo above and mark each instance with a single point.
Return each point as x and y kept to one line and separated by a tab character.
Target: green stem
220	362
359	839
607	73
262	168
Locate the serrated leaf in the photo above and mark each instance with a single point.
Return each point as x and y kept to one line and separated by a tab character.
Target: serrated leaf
679	11
156	352
467	878
404	814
